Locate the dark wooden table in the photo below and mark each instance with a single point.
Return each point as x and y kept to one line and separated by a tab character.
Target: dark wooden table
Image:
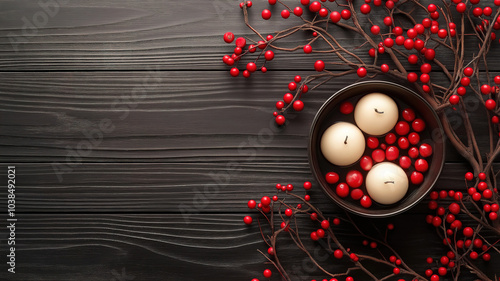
136	152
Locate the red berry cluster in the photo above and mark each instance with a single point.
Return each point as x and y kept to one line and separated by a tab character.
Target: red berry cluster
265	204
414	42
291	99
402	145
463	241
241	49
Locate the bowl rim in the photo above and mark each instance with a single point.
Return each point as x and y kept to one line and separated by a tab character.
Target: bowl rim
315	123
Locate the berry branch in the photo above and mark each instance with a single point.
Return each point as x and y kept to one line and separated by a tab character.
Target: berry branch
407	46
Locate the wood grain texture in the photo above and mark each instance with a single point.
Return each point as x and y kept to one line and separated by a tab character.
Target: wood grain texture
187	189
136	152
164	247
158	116
131	35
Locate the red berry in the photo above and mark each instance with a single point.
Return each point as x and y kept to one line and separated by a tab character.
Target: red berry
280	120
402	128
408	43
493	216
332	177
390	138
307	185
430	54
365	9
342	190
437	221
280	105
413	152
228	37
485	89
325	224
366	163
414	138
251	204
442	33
494	207
473	255
412	77
345	14
366	201
421	165
266	14
454	99
307	49
269	55
425	68
361	72
251	67
400	40
392	153
468	232
240	42
461	7
315	6
372	142
425	78
425	150
454	208
378	155
468	71
490	104
388	21
375	29
354	179
323	13
384	68
465	81
338	254
234	72
461	91
319	65
419	45
270	251
298	11
267	273
248	220
288	98
335	16
405	162
416	177
403	143
418	125
292	86
408	114
411	33
298	105
346	107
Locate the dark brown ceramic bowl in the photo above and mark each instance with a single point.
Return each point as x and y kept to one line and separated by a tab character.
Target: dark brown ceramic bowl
329	113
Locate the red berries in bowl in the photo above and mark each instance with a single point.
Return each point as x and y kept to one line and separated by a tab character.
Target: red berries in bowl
414	145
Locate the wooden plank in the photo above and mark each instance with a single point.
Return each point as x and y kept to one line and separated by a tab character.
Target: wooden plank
156	116
96	35
164	247
187	189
